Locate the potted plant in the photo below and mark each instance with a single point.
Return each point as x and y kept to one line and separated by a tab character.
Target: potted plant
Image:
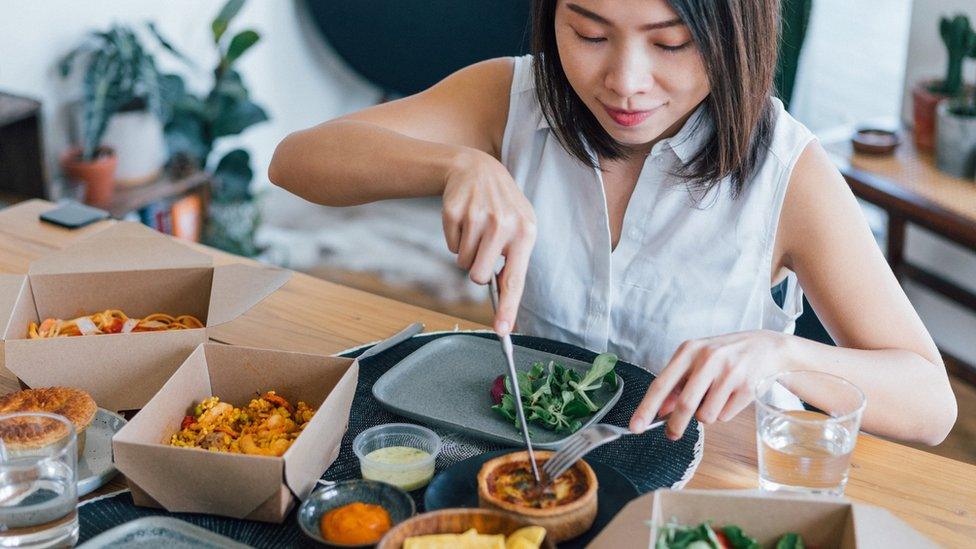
197	123
118	76
927	94
955	151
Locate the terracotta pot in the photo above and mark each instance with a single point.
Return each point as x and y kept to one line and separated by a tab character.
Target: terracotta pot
924	102
98	174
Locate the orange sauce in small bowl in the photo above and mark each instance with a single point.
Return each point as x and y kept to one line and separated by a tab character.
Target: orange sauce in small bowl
355	523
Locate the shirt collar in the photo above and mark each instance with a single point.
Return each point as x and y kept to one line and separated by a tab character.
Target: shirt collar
689	139
543	124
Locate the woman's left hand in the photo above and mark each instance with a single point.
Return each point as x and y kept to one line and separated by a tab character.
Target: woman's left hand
711	378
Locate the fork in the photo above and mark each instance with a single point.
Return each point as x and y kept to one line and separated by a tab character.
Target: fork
583	443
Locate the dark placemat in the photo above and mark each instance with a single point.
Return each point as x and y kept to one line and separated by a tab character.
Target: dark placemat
671	466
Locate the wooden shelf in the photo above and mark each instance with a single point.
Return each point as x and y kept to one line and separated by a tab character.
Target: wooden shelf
130	199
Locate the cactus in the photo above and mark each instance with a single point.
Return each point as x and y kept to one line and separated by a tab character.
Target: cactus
972	95
960	40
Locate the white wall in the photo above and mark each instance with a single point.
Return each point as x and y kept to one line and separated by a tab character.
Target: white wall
290	72
852	63
953	327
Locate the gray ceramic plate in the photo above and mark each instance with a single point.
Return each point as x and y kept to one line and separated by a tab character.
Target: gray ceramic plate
160	532
447	383
95	466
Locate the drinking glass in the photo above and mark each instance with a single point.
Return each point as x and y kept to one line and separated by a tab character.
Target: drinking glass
807	450
38	481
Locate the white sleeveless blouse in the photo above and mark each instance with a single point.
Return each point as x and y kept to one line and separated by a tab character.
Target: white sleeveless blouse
681	270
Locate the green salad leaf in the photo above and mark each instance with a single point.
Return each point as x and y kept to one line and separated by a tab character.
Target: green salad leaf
703	536
556	397
790	541
738	539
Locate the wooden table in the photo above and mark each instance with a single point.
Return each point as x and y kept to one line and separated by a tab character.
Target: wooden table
911	190
935	495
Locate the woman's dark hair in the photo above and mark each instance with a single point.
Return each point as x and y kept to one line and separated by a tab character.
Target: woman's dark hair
738	42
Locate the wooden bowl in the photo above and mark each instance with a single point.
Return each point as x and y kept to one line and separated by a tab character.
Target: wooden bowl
456	521
875	141
563	522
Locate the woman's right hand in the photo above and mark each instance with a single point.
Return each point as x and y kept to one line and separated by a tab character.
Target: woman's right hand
485	217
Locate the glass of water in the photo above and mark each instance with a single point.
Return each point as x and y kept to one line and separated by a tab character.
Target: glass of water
38	481
806	450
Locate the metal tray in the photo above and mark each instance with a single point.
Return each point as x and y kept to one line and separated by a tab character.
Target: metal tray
165	532
447	383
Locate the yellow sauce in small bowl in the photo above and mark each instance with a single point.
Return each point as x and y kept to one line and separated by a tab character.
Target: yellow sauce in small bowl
402	466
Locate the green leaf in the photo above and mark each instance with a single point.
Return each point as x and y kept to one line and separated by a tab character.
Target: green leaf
524	384
543	414
232	177
576	408
543	390
186	133
241	42
64	65
231	117
101	99
790	541
602	365
171	91
223	19
738	539
507	408
168	46
554	395
230	85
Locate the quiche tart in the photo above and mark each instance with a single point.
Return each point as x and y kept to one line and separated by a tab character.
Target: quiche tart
74	404
565	508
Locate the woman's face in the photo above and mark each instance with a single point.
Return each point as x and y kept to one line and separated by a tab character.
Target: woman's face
634	65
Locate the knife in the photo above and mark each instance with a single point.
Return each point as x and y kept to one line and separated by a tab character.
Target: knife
506	341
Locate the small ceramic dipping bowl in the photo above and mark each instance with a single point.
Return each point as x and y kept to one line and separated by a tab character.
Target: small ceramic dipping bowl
397	503
875	141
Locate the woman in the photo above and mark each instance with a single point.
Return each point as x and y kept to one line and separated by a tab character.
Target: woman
646	193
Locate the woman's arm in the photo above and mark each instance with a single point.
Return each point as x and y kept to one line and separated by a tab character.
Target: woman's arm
883	347
400	149
443	141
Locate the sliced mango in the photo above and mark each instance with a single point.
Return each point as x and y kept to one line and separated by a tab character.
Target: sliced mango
529	537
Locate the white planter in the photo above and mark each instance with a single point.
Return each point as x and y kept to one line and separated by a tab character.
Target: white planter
137	137
955	145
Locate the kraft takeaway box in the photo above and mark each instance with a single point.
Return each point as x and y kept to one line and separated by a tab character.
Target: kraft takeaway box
822	522
236	485
139	271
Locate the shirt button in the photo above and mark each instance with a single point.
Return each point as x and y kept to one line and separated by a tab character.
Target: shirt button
634	233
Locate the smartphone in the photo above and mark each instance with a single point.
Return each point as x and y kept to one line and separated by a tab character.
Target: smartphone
71	214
